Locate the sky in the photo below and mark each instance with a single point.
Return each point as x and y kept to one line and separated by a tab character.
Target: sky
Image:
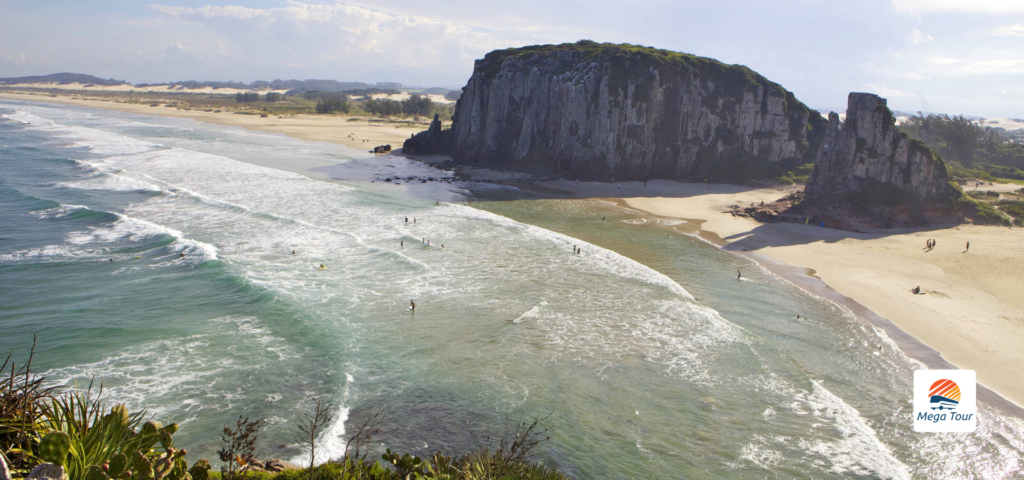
943	56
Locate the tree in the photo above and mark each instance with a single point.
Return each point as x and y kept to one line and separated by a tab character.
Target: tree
239	445
333	105
383	107
274	97
312	427
961	137
417	105
247	97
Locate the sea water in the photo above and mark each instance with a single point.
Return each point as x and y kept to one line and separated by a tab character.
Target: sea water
644	352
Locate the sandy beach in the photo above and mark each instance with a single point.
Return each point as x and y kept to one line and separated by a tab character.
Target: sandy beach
972	311
360	134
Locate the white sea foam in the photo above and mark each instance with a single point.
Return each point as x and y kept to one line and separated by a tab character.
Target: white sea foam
59	211
859	451
111	182
178	377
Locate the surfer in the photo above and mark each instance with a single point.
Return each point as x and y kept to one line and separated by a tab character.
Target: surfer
111	260
293	252
412	305
738	274
406	219
181	255
322	267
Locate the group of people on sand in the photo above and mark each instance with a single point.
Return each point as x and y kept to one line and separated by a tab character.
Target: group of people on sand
929	245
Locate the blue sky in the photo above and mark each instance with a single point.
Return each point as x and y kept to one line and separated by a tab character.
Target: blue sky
949	56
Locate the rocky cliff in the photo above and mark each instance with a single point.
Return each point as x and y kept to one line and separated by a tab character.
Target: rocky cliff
867	155
621	112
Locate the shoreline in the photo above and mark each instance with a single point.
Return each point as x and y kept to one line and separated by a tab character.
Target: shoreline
793	259
971	316
959	323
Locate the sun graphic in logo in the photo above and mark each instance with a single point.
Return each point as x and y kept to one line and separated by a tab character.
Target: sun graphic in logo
944	394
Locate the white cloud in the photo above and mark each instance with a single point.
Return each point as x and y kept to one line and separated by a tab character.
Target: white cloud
10	57
1005	31
871	67
990	67
886	92
918	37
959	6
944	61
358	36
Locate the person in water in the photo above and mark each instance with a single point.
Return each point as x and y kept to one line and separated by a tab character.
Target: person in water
293	252
182	255
412	305
322	266
738	275
403	243
406	219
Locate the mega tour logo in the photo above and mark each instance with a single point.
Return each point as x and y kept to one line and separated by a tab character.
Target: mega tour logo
945	401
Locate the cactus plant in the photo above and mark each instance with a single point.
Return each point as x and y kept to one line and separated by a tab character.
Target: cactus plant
200	470
118	467
405	465
54	447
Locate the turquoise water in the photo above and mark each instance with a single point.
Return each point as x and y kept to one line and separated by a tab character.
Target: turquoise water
648	354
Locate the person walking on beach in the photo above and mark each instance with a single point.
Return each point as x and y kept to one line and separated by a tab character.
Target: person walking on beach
968	247
602	219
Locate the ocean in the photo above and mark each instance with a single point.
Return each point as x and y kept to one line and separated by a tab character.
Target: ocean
644	352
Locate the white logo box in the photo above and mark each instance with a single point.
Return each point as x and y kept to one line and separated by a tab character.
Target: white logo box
940	415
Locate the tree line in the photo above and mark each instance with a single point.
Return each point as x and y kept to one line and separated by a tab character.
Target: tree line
971	147
414	105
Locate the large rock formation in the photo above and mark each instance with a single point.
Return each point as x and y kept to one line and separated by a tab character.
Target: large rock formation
868	153
622	112
429	142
